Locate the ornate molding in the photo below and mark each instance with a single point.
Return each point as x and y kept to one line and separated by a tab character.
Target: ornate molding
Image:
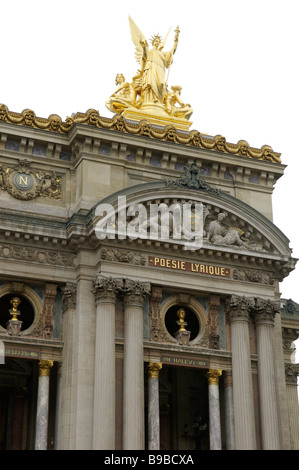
169	133
23	183
253	275
123	256
192	180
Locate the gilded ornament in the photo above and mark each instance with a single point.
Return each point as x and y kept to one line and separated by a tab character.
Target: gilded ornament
154	369
14	312
143	127
45	368
214	376
147	96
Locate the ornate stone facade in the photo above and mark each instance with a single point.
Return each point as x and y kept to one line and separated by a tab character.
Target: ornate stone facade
104	309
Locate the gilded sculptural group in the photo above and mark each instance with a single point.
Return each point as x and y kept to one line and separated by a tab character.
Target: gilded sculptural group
142	103
148	91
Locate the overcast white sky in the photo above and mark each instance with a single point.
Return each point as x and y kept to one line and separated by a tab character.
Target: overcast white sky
237	62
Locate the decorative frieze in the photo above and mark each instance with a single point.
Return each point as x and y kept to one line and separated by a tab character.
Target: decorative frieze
37	255
123	256
253	275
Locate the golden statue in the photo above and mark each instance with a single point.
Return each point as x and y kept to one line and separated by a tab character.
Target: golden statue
15	302
147	96
181	321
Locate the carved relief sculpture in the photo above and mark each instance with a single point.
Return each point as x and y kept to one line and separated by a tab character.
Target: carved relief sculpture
23	183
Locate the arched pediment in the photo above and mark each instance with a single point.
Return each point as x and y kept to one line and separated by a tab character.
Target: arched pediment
229	224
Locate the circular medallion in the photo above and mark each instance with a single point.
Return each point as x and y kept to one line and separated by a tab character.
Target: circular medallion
23	181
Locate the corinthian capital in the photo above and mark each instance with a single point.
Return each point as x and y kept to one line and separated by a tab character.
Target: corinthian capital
264	311
239	307
135	291
69	295
106	287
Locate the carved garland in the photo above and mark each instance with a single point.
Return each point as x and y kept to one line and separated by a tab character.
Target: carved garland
169	133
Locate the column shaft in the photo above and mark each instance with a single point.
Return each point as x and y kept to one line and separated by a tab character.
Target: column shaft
133	388
153	406
245	436
133	419
264	321
229	411
41	430
104	388
214	409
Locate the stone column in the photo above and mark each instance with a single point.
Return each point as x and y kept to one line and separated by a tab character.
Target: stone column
83	359
238	310
69	296
214	409
104	384
41	430
133	388
153	406
229	410
264	313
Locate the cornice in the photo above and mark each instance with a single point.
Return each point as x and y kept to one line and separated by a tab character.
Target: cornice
92	118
